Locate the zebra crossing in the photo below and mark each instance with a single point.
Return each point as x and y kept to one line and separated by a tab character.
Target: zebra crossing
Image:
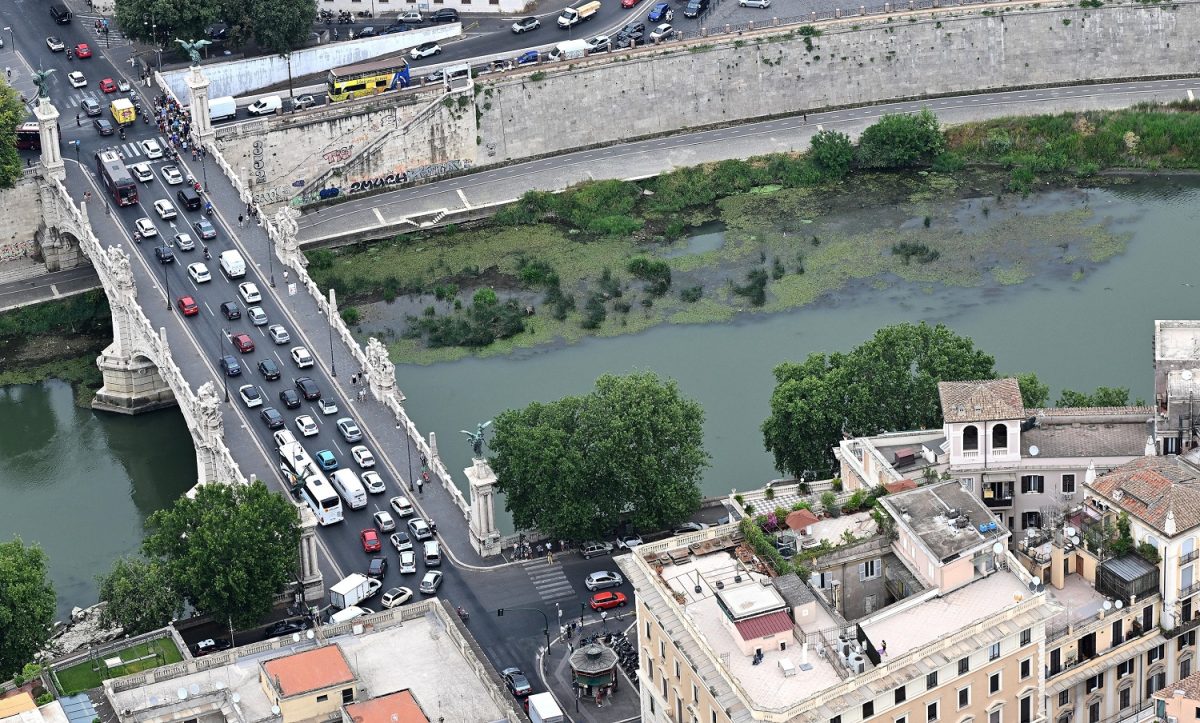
549	580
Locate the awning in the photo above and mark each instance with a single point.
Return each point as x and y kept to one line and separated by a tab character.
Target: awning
1073	676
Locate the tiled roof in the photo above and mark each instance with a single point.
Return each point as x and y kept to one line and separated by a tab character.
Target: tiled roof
1087	411
764	625
899	486
1150	488
1189	686
800	519
398	707
311	670
981	401
1086	440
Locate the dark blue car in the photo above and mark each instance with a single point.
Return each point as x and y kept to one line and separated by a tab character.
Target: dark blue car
661	13
529	56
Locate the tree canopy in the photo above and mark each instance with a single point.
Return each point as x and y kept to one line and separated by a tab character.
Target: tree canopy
229	551
1033	393
629	450
1102	397
901	141
139	594
12	114
276	25
27	604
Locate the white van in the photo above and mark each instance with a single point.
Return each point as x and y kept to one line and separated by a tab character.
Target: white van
265	106
222	108
232	264
350	613
350	488
433	554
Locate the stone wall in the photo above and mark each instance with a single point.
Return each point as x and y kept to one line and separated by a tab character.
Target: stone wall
20	220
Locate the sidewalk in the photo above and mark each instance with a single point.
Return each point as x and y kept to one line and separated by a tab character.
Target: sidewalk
623	705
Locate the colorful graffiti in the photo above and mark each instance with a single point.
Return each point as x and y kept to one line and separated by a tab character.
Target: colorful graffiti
419	173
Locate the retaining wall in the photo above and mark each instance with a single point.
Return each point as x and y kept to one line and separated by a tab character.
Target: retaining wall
22	215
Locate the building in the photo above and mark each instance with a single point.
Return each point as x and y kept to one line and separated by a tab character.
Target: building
20	708
1177	385
1179	703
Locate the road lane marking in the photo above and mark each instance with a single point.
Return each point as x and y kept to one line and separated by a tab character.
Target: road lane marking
379	216
463	196
54	290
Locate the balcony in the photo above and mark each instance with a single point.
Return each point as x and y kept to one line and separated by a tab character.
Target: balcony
1189	590
1188	557
993	503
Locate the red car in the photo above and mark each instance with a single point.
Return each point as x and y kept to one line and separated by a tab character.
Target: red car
606	600
370	541
83	51
188	306
629	3
108	86
244	343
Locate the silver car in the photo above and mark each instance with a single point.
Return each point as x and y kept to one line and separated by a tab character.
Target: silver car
279	334
257	316
602	579
431	582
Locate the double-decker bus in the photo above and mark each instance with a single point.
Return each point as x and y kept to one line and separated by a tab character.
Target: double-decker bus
363	79
307	483
28	137
114	176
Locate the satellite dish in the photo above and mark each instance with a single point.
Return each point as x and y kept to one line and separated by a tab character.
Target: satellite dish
182	693
1075	541
1033	585
195	688
1187	374
1033	450
295	637
1041	587
1119	604
309	635
998	548
275	709
1069	531
1107	605
237	697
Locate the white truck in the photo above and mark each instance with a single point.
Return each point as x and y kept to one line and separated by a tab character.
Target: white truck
352	590
543	709
222	108
573	16
569	50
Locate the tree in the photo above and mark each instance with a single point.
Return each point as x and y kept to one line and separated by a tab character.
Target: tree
630	450
229	551
887	383
139	594
27	604
1034	394
1102	397
901	141
833	152
280	26
12	114
159	22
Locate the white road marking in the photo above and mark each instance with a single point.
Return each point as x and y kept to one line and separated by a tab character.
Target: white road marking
379	215
463	196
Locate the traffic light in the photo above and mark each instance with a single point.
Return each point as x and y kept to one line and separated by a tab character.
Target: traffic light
500	612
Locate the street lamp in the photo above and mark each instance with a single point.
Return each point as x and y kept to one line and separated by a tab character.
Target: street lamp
332	359
12	40
271	259
166	280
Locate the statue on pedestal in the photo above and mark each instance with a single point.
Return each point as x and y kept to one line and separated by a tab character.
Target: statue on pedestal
193	48
476	437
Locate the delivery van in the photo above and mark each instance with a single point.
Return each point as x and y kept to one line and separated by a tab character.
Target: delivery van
222	108
123	111
60	13
265	106
433	554
573	16
232	264
350	613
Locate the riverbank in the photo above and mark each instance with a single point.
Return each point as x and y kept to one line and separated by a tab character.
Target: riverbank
56	340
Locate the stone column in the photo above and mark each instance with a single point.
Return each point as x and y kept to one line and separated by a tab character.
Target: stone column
310	573
484	537
208	431
287	248
47	119
201	123
381	372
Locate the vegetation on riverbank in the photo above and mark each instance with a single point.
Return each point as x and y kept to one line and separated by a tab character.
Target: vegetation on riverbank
56	340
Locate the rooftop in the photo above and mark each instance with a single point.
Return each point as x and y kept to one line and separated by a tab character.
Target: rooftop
749	599
980	401
18	712
1177	340
1089	432
1188	688
935	513
310	670
398	707
1163	492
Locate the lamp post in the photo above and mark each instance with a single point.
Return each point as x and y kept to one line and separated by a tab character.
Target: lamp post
166	279
271	258
332	359
149	20
582	610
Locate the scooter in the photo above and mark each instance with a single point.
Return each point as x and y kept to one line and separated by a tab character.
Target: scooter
464	615
137	237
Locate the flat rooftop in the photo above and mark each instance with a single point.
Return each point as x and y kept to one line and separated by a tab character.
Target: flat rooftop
1078	599
931	513
1177	340
1088	432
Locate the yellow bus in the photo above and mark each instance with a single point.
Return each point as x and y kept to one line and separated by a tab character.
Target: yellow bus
363	79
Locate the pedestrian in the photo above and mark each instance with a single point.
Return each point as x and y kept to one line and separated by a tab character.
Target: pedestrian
241	220
424	460
805	115
433	527
77	121
549	558
420	487
882	648
354	380
285	275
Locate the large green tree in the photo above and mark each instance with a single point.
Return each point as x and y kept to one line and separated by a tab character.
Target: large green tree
1033	392
902	140
229	551
160	22
139	594
629	450
12	114
27	604
1102	397
887	383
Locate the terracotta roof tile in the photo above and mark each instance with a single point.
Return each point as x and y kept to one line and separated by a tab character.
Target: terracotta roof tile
398	707
764	625
899	486
1189	685
981	401
1150	488
308	671
800	519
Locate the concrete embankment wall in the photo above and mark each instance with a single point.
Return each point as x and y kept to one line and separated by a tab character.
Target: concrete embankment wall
19	221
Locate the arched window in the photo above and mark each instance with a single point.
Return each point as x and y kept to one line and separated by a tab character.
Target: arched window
1000	436
971	439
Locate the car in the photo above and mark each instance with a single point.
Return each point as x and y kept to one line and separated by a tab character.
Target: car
231	366
82	50
606	600
516	682
230	310
408	562
396	597
628	542
306	426
529	56
629	3
599	43
370	540
76	79
90	107
199	273
419	530
662	32
377	568
283	437
326	460
184	242
401	541
592	549
307	101
249	292
445	15
362	456
301	356
348	429
425	50
164	255
290	398
164	209
661	13
431	582
694	8
437	75
525	25
690	527
401	506
145	227
269	369
142	172
55	45
188	306
211	645
764	4
171	175
383	520
243	342
632	32
250	396
103	127
205	229
278	334
396	28
257	316
603	579
373	482
108	86
123	86
151	148
285	627
327	406
308	388
217	31
272	417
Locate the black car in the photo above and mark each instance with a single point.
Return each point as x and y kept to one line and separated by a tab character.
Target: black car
231	311
290	398
231	366
377	568
694	8
285	627
269	369
308	388
212	645
103	127
632	31
273	419
164	255
397	28
516	682
445	15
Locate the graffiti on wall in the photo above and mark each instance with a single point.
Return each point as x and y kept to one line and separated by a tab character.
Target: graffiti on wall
338	155
419	173
259	163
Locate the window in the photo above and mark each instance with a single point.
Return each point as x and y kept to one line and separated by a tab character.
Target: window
647	630
868	709
970	439
1155	654
1147	617
1124	669
901	719
1094	682
931	681
1026	636
901	694
1188	638
1000	437
1094	712
836	719
1125	696
662	650
964	666
1068	484
713	713
1026	668
1064	697
664	687
868	570
676	670
994	651
968	483
347	695
994	716
695	694
1033	483
1155	683
994	683
931	712
964	697
1185	668
1026	709
1031	520
322	698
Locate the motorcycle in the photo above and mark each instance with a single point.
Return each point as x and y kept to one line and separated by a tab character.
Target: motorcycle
137	236
463	614
365	14
207	255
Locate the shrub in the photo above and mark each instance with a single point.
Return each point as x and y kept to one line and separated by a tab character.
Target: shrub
908	250
320	259
594	312
609	284
536	273
763	546
829	503
901	141
691	294
655	272
832	152
350	315
755	288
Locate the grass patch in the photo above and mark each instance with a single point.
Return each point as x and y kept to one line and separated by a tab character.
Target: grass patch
81	677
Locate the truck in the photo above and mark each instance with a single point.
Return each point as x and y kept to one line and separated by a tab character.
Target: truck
544	709
573	16
123	111
352	590
222	108
570	50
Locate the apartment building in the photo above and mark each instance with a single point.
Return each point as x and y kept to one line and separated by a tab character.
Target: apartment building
1179	703
1177	385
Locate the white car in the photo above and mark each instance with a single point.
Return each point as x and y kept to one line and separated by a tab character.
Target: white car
123	86
408	563
151	148
373	482
301	356
250	396
185	242
661	32
598	43
279	334
171	175
362	456
142	172
199	273
306	425
164	209
384	521
284	436
76	79
55	45
145	227
257	316
628	542
401	506
249	293
396	597
754	3
425	50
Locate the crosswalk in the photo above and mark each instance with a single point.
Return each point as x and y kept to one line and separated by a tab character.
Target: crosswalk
549	580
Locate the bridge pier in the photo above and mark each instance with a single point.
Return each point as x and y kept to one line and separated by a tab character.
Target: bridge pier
132	385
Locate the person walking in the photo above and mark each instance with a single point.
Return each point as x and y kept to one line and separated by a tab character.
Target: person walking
241	221
420	487
77	121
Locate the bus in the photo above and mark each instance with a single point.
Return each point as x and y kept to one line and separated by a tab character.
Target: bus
356	81
307	483
351	490
29	138
113	174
